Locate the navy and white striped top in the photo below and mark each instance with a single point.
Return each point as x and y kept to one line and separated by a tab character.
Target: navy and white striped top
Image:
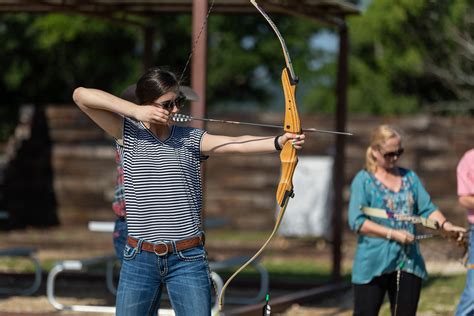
163	189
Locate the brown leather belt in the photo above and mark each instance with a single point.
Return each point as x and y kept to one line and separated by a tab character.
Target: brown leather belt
162	248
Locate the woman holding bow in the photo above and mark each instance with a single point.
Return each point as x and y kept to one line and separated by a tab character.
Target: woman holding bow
163	192
388	258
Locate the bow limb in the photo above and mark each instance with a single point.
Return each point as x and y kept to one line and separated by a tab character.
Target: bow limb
255	256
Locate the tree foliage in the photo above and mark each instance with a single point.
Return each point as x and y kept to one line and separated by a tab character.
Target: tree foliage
66	51
45	57
404	54
410	53
246	59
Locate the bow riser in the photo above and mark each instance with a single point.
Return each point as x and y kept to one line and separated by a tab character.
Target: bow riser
292	119
288	156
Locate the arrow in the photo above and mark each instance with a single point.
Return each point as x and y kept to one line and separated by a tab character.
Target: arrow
187	118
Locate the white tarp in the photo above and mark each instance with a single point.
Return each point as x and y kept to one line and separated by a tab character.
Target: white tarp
309	212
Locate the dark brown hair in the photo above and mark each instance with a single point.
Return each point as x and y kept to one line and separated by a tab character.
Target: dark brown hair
154	83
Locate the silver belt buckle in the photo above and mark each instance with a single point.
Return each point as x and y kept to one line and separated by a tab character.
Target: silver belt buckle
160	253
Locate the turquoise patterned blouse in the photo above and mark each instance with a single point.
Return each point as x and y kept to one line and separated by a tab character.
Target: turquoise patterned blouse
376	255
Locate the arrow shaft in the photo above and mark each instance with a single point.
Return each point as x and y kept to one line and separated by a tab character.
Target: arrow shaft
307	130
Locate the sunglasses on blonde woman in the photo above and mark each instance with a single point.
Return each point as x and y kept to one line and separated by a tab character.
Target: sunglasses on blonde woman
393	154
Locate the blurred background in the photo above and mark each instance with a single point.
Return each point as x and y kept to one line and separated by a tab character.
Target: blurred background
410	64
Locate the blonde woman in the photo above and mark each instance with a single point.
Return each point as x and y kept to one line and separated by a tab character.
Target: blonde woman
388	258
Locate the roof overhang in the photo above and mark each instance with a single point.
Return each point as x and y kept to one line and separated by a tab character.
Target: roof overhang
330	11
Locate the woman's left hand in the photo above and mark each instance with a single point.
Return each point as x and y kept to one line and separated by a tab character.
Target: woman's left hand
457	230
449	227
297	140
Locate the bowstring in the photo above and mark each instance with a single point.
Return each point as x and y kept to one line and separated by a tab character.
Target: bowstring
196	41
220	298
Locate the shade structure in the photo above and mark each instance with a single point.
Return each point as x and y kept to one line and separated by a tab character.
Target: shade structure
330	12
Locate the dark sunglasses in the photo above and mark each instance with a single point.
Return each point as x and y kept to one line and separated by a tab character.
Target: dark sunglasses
170	104
393	154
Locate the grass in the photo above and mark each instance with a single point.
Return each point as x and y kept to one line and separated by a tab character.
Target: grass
236	236
23	265
303	271
289	269
16	265
439	295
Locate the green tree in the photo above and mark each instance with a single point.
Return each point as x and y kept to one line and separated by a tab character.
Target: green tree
405	54
44	57
71	50
246	59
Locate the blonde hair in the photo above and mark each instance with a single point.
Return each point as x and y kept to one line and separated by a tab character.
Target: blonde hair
379	136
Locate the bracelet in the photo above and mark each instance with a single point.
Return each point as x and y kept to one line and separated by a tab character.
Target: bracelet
277	144
442	224
389	234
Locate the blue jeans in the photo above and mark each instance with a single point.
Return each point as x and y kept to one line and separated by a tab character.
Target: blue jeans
185	274
466	304
120	236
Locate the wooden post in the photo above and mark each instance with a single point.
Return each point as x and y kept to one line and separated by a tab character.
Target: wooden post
199	61
148	41
341	116
199	77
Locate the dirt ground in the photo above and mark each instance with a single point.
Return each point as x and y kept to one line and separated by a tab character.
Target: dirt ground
76	291
40	305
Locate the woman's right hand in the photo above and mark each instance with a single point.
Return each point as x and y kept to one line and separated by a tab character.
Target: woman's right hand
152	114
402	236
